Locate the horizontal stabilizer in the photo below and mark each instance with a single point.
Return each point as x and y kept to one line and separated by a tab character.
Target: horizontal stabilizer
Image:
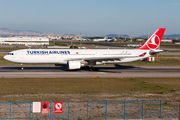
153	52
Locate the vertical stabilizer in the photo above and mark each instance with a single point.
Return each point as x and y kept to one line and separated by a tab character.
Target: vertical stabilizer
154	41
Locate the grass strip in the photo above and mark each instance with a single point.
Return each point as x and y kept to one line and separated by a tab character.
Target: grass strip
52	89
86	85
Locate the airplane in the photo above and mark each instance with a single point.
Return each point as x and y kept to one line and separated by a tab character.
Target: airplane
134	45
113	39
104	39
79	58
80	38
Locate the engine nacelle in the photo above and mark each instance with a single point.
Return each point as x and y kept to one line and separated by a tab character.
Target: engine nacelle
74	65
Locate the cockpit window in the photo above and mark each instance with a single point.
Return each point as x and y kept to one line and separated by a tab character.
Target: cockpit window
10	53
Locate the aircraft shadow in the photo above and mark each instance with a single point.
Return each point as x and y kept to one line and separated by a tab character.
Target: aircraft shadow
115	69
118	67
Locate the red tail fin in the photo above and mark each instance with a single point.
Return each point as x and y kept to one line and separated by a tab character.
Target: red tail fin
154	41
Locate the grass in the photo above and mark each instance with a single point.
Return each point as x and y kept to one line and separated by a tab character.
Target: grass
170	46
9	49
174	51
86	86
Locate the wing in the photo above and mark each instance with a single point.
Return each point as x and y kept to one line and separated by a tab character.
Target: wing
102	58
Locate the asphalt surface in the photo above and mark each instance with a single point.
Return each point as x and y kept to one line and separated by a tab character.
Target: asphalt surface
114	71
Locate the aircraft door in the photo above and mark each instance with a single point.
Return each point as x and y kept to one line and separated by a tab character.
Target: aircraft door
20	54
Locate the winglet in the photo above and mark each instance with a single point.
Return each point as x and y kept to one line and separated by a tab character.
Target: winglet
154	41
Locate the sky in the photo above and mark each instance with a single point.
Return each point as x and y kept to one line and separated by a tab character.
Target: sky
91	17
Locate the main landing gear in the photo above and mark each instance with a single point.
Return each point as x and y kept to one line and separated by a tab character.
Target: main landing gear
22	67
93	69
89	68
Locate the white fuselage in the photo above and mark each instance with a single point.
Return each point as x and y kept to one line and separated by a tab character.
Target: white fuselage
62	56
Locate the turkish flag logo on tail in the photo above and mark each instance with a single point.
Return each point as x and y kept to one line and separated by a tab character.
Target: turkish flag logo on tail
154	41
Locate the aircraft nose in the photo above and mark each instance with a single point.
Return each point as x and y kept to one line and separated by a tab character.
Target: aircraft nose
6	57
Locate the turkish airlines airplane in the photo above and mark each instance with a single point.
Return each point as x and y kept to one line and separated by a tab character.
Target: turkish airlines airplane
77	58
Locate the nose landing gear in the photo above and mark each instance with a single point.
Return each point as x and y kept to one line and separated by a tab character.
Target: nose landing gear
22	66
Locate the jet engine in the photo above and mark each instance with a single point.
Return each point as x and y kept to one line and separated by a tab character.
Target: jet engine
74	65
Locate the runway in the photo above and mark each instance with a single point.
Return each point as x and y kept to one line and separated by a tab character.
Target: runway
114	71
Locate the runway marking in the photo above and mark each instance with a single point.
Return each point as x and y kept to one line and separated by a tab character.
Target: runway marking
94	76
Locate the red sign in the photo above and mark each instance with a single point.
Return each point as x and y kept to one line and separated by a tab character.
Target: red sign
44	107
58	107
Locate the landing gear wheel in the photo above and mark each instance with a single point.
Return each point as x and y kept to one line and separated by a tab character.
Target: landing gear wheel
93	69
22	67
85	68
90	69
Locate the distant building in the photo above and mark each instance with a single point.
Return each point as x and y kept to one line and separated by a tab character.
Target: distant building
58	37
21	40
68	37
76	37
166	40
52	37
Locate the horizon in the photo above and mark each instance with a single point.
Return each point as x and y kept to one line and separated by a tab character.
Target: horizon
83	35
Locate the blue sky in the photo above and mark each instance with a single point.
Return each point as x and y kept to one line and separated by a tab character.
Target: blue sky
91	17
